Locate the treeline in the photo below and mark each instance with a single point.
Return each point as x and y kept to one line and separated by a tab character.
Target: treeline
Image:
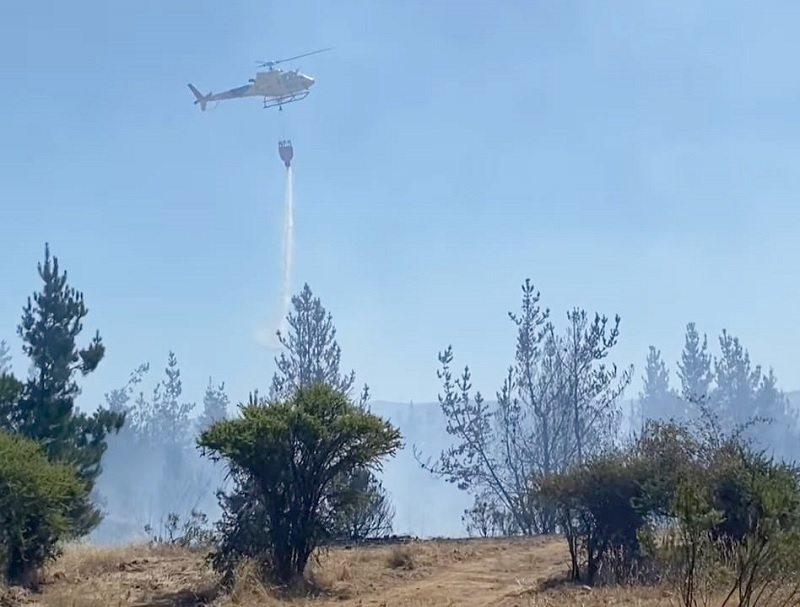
684	497
51	452
729	386
152	471
560	406
704	493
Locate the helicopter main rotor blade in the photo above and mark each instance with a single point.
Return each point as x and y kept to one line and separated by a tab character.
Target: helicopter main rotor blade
277	61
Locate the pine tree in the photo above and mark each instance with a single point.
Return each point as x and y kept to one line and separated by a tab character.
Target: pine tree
694	368
9	387
170	430
658	400
313	355
557	408
170	415
51	323
746	397
5	357
117	399
591	387
312	352
10	390
737	382
783	430
215	405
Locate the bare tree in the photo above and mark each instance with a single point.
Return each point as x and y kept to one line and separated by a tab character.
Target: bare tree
556	406
589	385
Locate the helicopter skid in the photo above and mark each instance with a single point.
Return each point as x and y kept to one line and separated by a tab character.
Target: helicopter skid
280	101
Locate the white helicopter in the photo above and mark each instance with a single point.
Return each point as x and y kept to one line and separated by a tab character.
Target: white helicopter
276	86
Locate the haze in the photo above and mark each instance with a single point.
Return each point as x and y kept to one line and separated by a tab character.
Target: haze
639	159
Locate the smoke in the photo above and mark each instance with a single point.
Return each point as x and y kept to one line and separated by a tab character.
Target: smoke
268	337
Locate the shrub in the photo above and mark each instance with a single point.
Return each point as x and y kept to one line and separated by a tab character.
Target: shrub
358	509
601	510
729	516
401	557
748	512
192	532
364	509
290	456
242	532
37	499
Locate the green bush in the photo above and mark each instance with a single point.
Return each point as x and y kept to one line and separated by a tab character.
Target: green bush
37	498
728	516
356	508
242	533
741	522
289	458
193	531
602	509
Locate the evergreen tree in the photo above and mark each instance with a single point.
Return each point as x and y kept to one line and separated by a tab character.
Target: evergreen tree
737	381
10	390
5	357
658	400
783	430
117	399
313	356
590	387
215	405
125	458
556	408
45	410
312	352
745	396
170	415
168	430
367	513
163	419
694	368
9	387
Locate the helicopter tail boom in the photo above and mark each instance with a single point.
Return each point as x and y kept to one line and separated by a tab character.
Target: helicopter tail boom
199	98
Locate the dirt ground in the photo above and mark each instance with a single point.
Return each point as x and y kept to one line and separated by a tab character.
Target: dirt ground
509	572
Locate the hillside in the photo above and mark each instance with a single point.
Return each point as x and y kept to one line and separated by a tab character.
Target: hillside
435	573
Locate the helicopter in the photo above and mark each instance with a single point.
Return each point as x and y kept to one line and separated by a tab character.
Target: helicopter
276	86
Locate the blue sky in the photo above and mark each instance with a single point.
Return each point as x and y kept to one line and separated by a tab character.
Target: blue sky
631	158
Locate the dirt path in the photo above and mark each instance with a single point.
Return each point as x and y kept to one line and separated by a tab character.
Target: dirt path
492	574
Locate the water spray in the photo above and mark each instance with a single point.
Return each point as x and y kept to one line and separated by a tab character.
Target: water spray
286	152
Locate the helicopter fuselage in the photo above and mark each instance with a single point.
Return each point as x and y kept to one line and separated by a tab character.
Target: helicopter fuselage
274	85
277	83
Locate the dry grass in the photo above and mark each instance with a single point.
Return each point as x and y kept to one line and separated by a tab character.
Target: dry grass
436	573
